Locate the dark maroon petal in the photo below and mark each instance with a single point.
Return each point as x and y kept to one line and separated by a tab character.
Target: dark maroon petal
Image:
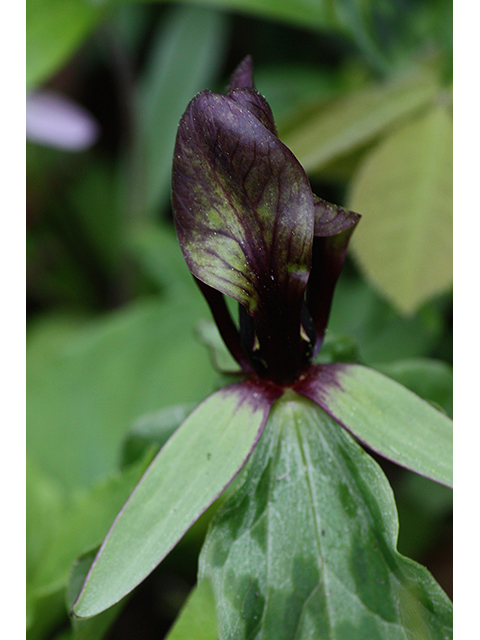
257	105
333	229
243	211
225	324
331	219
242	77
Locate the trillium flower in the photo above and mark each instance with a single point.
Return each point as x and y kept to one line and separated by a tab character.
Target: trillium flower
250	228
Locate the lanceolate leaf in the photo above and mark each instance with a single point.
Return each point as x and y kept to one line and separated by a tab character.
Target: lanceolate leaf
189	473
306	547
386	416
405	188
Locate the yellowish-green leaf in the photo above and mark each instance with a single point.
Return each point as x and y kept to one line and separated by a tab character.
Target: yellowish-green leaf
404	192
353	121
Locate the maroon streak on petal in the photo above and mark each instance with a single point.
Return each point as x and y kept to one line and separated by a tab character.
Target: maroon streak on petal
383	415
319	380
242	77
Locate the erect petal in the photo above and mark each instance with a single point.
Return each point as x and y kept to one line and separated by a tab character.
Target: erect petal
385	416
242	90
242	77
191	470
243	211
333	229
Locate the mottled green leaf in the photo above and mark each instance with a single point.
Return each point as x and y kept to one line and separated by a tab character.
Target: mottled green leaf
306	547
345	124
194	467
386	416
404	191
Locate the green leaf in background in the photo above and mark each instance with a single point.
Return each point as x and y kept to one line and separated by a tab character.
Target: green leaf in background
84	524
156	251
186	54
342	126
60	527
306	548
194	467
294	90
54	29
423	507
93	198
85	390
404	191
387	417
301	12
197	617
45	506
382	334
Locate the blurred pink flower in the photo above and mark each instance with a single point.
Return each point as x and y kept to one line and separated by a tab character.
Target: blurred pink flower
54	120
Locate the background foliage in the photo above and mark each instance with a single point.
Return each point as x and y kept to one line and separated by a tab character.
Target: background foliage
361	92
